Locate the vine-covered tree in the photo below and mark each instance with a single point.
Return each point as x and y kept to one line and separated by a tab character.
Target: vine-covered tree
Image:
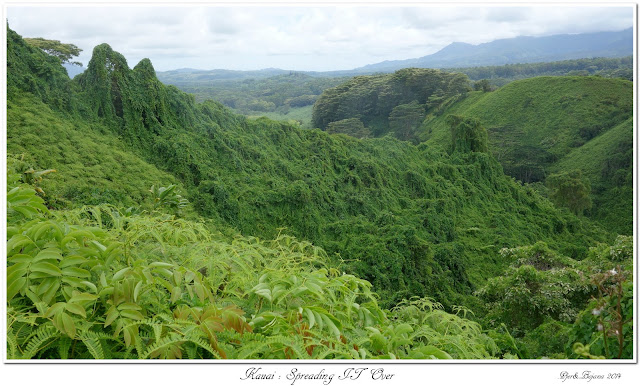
467	134
351	126
62	51
570	190
405	119
482	85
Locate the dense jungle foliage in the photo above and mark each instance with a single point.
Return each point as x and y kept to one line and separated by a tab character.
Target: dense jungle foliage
142	224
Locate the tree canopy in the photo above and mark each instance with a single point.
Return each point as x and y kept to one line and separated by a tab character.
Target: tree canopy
62	51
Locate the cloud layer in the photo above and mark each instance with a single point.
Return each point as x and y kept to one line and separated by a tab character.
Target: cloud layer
300	38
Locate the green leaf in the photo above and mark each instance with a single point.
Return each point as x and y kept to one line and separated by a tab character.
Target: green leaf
120	274
112	314
435	352
101	247
129	306
75	272
54	310
160	264
136	291
199	288
72	281
132	314
15	286
46	284
82	297
49	253
47	268
72	260
176	293
51	293
17	241
20	258
312	319
403	329
331	325
265	293
69	325
90	285
76	309
177	277
16	270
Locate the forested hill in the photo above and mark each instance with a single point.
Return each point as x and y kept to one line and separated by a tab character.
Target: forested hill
532	124
412	220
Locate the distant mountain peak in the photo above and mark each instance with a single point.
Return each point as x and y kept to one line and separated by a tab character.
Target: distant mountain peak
520	49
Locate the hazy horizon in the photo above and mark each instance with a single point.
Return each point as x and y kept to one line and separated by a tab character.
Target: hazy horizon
298	38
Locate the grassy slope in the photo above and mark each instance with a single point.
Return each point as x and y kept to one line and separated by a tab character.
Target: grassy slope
93	166
606	162
534	124
546	113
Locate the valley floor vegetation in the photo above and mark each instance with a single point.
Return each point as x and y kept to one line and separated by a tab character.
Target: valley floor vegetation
144	225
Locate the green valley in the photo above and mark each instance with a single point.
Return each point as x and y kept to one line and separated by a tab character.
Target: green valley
177	228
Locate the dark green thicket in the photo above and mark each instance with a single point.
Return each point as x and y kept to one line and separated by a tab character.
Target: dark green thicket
372	99
411	219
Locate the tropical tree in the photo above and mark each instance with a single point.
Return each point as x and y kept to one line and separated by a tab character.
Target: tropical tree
467	134
62	51
350	126
570	190
405	119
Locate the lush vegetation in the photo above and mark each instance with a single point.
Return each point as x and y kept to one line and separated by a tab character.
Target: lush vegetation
182	238
548	125
394	102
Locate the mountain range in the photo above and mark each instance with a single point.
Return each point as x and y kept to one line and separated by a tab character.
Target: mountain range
522	49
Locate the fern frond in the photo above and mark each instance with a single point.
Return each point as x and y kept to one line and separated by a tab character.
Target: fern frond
12	345
94	347
44	336
165	342
64	344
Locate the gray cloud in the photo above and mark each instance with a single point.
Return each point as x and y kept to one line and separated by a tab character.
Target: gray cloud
300	37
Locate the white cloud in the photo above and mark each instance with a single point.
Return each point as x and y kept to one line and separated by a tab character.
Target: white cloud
301	38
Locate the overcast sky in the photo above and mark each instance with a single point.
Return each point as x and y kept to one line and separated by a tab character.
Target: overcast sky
317	38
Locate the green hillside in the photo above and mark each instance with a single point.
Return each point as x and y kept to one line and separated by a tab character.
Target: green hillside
534	124
92	165
607	162
401	239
